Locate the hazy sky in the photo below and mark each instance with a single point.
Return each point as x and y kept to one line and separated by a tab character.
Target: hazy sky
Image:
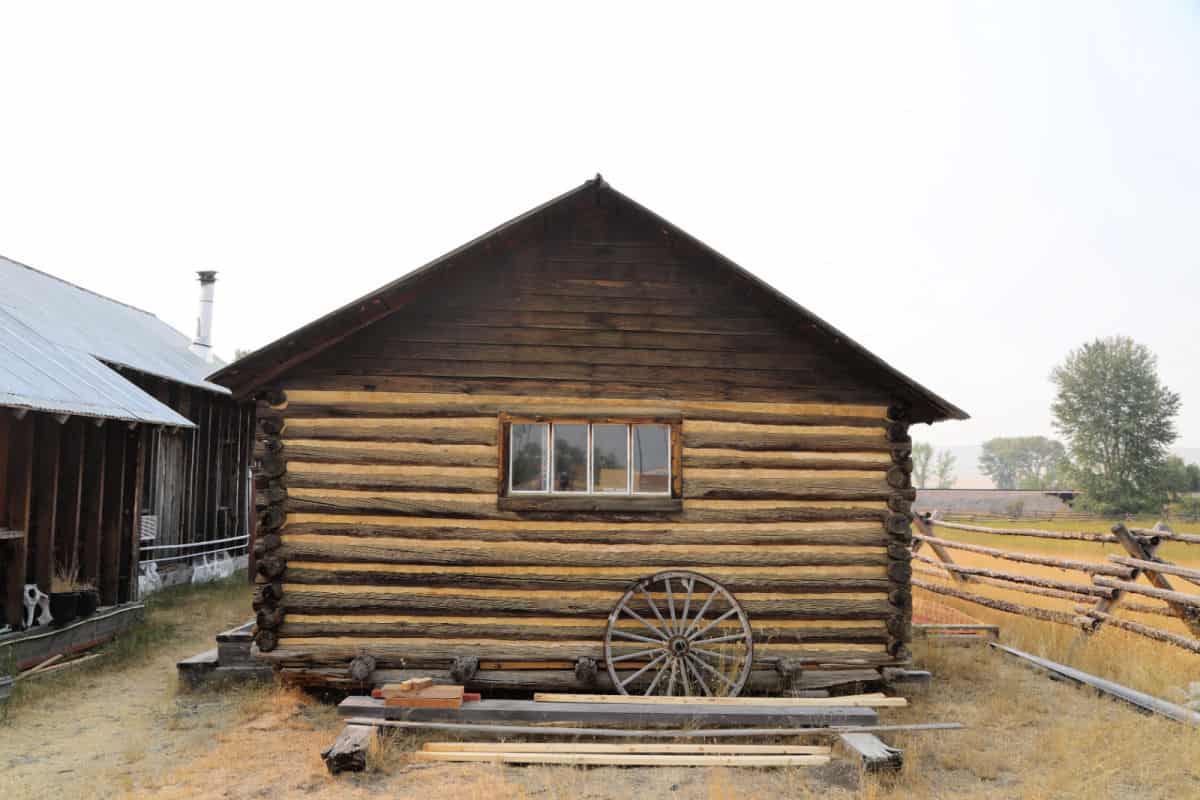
969	190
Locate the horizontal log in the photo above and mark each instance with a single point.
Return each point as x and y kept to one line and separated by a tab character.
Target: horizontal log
441	430
1170	596
745	436
833	533
1034	590
302	474
320	403
1187	573
1090	567
612	578
1037	534
799	484
399	651
1166	535
1000	605
1149	632
720	458
1030	580
334	451
392	550
369	599
485	506
310	625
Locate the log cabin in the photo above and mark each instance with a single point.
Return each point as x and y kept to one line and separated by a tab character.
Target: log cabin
117	457
531	461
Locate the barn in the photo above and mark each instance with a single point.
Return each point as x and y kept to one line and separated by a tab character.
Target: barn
583	449
117	458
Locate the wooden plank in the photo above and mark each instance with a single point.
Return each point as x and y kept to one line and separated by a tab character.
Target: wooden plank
1187	607
529	711
69	515
619	747
135	464
113	512
92	521
875	755
1090	567
1010	577
1131	696
1037	534
798	484
1176	599
875	700
626	760
47	462
334	451
721	458
387	476
1157	634
429	697
19	459
1000	605
493	729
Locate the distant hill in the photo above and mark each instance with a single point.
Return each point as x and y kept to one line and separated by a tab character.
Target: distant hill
969	476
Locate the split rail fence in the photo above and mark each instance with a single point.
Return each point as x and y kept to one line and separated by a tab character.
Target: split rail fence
1105	586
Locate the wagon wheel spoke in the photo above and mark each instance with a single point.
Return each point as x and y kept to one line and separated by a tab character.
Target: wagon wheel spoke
654	608
696	674
734	637
700	613
662	670
644	621
636	637
713	624
690	583
671	683
638	654
649	665
671	606
716	673
721	656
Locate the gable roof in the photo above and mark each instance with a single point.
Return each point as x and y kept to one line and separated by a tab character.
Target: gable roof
257	369
114	332
39	375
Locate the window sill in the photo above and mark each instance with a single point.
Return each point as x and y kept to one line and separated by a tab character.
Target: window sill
589	503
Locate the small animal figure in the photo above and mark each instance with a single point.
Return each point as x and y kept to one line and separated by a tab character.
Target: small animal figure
37	607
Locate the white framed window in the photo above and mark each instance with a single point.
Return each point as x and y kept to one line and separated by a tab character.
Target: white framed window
575	457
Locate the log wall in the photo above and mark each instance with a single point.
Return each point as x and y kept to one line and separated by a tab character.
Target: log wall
381	528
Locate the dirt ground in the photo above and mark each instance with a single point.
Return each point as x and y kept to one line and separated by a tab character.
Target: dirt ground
123	728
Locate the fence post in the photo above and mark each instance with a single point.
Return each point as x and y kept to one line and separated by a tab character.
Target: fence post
938	550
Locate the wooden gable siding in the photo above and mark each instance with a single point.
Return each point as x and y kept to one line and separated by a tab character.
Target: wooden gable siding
592	320
381	532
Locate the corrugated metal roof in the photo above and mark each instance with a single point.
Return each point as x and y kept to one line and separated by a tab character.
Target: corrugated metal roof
37	374
114	332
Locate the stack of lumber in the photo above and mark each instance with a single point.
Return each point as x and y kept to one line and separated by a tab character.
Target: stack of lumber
422	693
651	754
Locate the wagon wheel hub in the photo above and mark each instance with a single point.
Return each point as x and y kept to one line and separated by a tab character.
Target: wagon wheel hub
678	633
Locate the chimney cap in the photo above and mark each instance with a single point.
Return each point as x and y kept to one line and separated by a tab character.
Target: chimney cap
207	275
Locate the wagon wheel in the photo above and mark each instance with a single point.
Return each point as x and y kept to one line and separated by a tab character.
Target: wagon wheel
678	633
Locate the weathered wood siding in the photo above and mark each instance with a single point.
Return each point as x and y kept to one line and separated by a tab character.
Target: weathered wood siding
381	531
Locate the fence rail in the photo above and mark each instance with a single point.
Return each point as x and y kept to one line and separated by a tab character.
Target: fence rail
1108	582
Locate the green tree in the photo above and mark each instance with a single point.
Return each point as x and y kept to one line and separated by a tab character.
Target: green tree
1193	471
1118	420
943	469
1177	478
922	456
1023	462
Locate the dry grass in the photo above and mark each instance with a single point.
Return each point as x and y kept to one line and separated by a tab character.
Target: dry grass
1127	658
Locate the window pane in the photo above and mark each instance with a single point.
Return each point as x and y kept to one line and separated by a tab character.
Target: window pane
610	458
570	458
529	457
651	466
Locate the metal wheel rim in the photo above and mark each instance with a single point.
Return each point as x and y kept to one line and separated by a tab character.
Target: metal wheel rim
665	653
